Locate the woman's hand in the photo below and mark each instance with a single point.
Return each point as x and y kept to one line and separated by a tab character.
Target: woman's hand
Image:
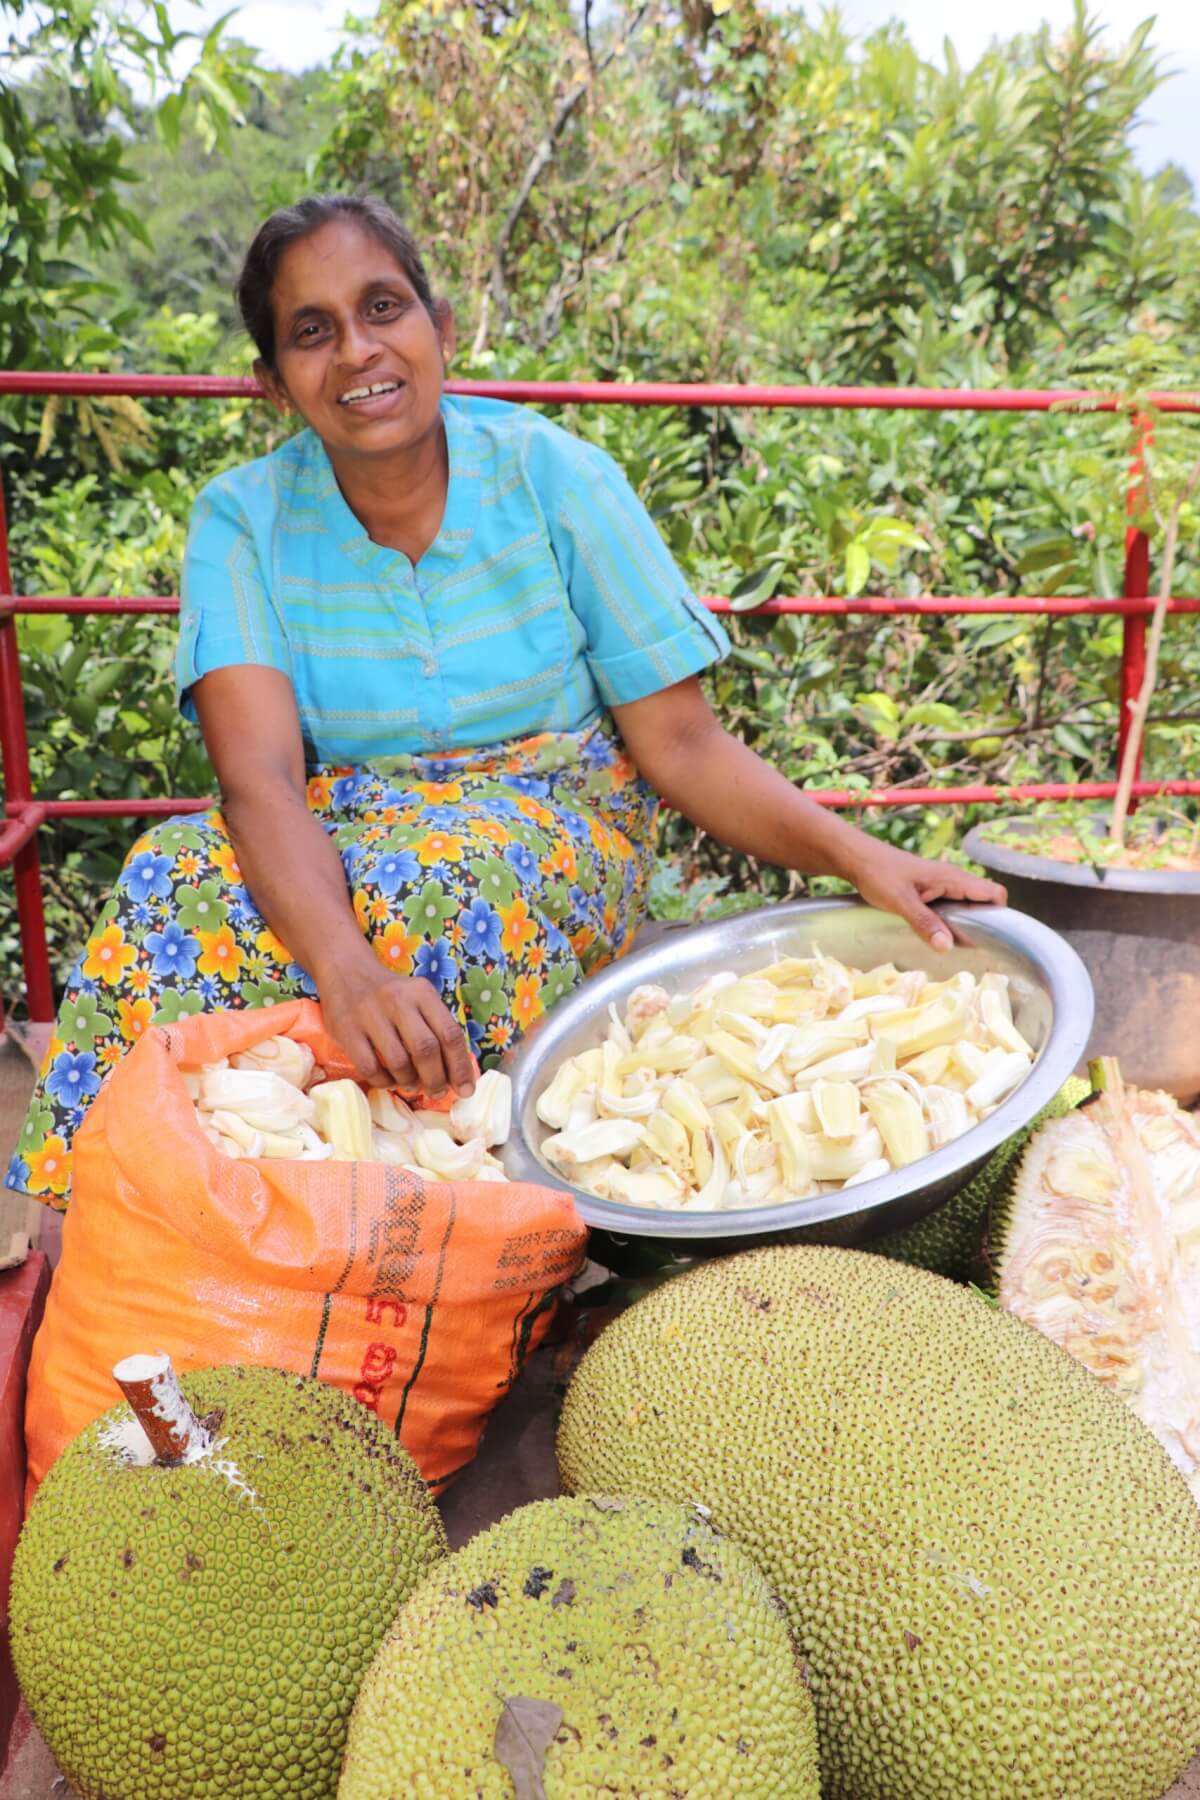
396	1030
722	786
897	882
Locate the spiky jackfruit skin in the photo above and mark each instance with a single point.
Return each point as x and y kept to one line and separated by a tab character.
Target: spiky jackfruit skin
947	1240
990	1567
659	1641
178	1639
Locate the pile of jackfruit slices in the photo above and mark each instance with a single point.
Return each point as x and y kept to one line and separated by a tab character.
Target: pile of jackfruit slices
274	1101
802	1078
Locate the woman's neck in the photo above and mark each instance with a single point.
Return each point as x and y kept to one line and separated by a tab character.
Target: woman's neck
399	499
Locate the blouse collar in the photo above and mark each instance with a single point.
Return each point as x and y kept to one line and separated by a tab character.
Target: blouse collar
462	501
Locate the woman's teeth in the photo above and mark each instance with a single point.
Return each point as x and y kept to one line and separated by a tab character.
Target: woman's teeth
368	392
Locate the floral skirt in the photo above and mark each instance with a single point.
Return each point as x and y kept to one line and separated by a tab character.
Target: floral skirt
501	877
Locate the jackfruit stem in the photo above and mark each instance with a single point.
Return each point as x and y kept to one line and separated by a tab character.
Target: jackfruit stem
1104	1073
151	1386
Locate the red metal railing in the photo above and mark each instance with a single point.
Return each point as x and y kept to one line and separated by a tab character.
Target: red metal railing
26	812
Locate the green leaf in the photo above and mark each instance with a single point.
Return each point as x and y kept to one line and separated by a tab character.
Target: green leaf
753	589
46	632
104	680
880	713
995	632
934	713
857	567
169	120
224	101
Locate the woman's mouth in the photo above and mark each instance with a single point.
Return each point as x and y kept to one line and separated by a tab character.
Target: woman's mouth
370	396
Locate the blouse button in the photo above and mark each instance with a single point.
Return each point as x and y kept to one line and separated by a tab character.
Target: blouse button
429	666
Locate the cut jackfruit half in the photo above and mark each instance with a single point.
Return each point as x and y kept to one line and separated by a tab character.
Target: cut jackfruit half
1097	1244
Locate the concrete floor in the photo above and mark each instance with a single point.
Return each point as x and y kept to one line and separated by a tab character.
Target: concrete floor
515	1464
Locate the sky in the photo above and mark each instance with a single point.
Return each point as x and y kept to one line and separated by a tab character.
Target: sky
294	34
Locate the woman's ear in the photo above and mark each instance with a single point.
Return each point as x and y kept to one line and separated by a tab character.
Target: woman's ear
443	319
268	380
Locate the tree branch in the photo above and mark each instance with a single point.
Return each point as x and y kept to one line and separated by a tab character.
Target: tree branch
541	157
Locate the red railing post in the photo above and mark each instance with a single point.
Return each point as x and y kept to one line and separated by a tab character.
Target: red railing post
18	788
1136	586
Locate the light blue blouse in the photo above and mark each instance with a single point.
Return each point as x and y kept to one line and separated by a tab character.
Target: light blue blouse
546	596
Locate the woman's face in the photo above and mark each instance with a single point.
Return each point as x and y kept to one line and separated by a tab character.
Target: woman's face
357	354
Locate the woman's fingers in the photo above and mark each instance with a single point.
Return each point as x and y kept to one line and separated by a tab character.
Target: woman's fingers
435	1047
358	1047
924	921
400	1033
416	1059
452	1040
977	887
394	1061
942	881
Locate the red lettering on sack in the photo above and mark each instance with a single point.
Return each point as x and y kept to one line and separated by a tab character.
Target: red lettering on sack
375	1310
367	1396
377	1363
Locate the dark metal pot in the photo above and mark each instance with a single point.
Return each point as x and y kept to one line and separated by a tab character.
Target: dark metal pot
1138	933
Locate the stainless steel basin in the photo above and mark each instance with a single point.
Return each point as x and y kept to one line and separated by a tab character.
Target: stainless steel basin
1052	1004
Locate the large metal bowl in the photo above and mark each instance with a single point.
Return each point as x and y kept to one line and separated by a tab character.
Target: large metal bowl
1052	1005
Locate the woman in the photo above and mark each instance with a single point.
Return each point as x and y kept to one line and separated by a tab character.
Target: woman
445	670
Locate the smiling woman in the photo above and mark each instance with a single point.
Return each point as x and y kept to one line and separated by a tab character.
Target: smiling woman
445	669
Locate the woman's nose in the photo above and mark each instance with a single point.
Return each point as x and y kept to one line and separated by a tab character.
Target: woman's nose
358	344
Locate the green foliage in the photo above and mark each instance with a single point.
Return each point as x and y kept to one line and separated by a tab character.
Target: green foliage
99	692
209	200
64	134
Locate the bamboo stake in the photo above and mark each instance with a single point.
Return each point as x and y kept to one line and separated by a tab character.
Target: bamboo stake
1141	706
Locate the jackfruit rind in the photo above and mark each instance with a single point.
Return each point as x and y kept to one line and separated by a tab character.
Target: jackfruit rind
659	1641
991	1568
199	1632
947	1240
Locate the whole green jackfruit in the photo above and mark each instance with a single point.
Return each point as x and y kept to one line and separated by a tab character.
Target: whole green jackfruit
642	1656
198	1631
990	1567
947	1240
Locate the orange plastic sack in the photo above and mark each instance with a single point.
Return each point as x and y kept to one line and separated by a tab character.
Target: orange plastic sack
421	1298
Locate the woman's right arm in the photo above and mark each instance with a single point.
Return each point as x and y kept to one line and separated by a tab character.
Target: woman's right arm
395	1029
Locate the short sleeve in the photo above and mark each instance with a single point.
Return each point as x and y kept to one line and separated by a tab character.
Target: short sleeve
226	616
645	628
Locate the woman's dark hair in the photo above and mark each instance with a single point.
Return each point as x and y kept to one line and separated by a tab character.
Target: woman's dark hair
288	226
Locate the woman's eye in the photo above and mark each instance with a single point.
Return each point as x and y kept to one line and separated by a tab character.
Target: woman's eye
384	306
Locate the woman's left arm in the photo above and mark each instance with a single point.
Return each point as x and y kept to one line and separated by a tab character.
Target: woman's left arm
723	787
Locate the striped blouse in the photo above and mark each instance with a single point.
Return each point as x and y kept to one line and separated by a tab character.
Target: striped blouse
546	596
